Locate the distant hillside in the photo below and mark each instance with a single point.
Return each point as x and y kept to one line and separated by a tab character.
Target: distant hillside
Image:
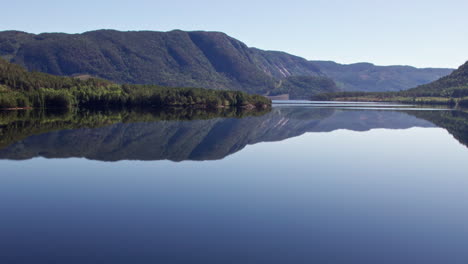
282	65
196	59
456	82
449	90
367	77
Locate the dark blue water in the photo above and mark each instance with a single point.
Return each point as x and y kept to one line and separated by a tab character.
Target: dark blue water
297	185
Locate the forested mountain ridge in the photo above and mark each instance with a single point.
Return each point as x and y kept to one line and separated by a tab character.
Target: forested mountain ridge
20	88
368	77
449	90
195	59
454	84
177	58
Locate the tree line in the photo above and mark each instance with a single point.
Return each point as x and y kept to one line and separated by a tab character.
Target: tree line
21	89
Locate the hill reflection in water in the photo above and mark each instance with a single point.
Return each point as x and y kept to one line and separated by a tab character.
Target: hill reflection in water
184	134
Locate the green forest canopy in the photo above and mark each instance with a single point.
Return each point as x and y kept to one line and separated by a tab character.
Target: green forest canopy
20	88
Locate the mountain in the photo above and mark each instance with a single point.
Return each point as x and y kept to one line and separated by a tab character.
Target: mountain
456	82
20	88
367	77
451	90
196	59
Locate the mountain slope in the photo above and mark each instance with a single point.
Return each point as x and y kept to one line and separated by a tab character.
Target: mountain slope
450	90
194	59
282	65
20	88
456	81
367	77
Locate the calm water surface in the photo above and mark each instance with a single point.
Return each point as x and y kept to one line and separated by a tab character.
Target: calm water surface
296	185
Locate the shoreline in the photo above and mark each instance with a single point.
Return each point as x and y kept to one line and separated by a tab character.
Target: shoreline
206	107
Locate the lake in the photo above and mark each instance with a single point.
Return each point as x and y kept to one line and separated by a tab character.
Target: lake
303	183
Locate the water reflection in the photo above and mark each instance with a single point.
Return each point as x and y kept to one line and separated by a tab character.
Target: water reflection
190	134
392	195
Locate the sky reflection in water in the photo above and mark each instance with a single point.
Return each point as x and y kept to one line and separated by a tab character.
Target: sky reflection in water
331	196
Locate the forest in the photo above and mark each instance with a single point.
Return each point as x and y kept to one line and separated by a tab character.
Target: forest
22	89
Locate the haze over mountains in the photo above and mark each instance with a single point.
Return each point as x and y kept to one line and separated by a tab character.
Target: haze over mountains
199	59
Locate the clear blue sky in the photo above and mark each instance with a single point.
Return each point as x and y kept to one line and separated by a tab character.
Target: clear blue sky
418	33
